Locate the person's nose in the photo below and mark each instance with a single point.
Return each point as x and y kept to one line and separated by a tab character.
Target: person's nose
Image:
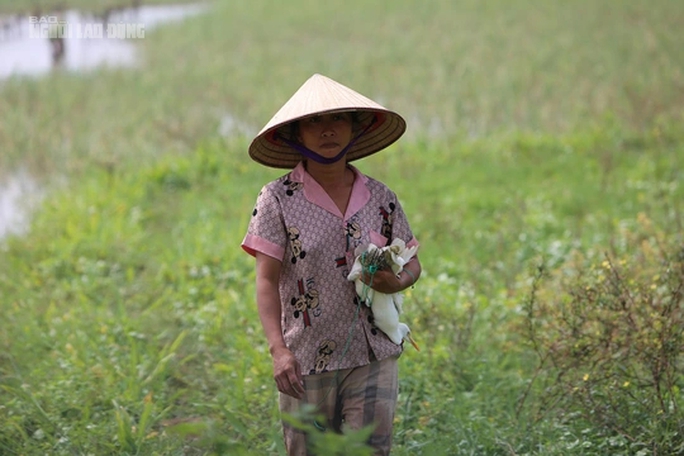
327	129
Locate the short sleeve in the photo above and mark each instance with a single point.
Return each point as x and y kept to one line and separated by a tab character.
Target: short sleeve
400	225
266	231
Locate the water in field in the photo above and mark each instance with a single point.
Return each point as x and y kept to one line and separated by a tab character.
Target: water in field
19	192
76	41
86	42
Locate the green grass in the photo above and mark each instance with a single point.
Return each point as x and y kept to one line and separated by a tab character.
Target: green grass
131	293
455	71
128	317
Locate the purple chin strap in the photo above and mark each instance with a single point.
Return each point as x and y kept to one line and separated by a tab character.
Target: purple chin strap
308	153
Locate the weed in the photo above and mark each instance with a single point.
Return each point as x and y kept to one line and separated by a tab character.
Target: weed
609	338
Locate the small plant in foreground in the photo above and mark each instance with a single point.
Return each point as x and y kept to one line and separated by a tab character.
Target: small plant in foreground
329	443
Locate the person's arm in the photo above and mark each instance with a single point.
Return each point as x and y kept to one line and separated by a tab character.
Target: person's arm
286	369
386	282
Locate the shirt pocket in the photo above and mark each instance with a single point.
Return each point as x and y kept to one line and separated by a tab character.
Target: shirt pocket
378	239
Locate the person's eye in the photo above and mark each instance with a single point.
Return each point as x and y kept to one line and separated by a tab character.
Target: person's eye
314	119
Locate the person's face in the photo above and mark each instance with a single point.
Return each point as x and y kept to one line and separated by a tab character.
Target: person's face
326	134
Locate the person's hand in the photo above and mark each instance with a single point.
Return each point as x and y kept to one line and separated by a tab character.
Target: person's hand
287	373
383	281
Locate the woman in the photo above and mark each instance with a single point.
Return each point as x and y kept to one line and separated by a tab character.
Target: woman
305	230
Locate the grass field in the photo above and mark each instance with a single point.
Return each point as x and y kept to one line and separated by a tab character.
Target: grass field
538	132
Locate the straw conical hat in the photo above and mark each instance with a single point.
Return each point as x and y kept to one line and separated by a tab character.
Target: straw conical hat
322	95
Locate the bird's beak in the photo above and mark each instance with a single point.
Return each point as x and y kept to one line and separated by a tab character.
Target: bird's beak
413	342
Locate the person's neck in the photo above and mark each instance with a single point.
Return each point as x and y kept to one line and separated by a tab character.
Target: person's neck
331	176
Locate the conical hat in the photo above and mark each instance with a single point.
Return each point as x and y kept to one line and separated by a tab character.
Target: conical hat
322	95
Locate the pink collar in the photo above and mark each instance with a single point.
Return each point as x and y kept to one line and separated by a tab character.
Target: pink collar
315	194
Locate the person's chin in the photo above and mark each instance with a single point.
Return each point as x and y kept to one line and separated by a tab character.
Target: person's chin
329	152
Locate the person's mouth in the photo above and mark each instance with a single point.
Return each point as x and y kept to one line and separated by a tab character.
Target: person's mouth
329	145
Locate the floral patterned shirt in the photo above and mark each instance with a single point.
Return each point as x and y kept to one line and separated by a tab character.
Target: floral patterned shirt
297	223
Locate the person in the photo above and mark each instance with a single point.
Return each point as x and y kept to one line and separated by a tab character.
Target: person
305	231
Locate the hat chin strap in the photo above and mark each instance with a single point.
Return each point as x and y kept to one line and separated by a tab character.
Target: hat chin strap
308	153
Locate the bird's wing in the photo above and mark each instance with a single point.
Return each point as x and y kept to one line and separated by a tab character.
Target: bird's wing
356	269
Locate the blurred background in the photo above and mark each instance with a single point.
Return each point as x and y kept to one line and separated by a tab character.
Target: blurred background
542	136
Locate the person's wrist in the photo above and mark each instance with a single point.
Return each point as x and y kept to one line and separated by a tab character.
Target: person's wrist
275	349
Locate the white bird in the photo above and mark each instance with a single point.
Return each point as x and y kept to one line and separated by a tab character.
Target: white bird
385	307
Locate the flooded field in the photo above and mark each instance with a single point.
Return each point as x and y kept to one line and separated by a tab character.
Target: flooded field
19	193
76	41
33	46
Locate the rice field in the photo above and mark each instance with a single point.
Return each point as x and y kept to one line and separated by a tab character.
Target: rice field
538	133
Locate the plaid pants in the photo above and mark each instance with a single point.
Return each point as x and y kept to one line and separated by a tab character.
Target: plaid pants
349	399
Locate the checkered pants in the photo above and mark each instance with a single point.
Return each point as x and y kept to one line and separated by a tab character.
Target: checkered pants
349	399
